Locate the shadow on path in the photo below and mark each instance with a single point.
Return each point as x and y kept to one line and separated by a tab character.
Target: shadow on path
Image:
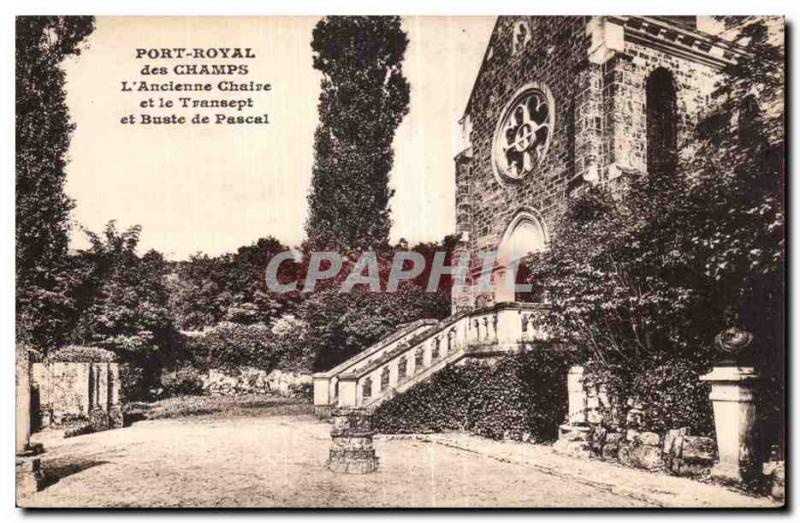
58	468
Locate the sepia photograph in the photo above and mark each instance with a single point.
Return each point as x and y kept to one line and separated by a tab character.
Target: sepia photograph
400	262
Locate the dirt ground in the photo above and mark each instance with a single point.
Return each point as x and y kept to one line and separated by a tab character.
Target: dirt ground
279	461
269	452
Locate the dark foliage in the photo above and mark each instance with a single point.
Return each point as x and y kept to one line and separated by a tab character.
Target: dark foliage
522	394
364	98
78	354
183	382
208	290
43	134
644	273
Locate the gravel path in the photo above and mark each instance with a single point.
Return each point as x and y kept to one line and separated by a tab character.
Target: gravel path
279	461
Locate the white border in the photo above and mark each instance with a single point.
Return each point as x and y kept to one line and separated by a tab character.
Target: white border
790	8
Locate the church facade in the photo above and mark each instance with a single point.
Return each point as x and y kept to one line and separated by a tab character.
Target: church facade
560	103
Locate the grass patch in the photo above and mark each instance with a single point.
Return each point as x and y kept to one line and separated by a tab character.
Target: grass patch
219	407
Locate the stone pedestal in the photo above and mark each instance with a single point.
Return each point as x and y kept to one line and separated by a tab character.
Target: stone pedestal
351	435
732	391
29	476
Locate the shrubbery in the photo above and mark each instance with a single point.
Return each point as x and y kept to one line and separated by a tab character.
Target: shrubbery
183	382
522	394
232	346
136	384
80	354
668	389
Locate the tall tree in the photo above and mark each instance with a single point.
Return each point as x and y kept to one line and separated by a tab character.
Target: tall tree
124	298
42	208
364	98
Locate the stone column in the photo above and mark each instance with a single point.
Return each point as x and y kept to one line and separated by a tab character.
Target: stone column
573	436
115	416
734	415
322	396
28	467
577	395
351	450
23	399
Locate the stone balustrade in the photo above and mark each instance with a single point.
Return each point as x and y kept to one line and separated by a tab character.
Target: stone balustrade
414	354
326	384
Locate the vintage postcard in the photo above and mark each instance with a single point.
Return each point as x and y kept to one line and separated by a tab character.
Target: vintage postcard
400	262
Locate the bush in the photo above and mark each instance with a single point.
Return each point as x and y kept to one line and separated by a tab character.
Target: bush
231	346
184	382
81	354
674	397
522	394
135	385
668	388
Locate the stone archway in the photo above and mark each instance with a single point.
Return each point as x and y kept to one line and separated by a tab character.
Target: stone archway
525	234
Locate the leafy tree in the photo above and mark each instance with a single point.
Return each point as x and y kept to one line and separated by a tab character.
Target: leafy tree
738	207
197	294
736	204
251	299
364	98
42	208
207	290
643	275
124	299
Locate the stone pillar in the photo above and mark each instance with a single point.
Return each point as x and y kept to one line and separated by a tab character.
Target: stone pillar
577	395
28	466
23	399
734	415
322	396
115	417
351	450
574	435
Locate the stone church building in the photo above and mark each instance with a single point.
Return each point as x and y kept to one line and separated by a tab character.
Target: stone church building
559	104
563	102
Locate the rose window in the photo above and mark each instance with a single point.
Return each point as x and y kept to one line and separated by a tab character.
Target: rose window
523	134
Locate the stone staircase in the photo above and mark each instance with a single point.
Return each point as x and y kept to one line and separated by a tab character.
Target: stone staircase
416	351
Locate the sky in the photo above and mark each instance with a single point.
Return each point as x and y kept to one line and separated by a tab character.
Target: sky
215	188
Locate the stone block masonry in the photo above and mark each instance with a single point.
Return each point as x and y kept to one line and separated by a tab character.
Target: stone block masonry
79	392
351	442
593	72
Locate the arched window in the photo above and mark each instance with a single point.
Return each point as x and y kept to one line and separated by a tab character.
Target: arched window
525	235
662	123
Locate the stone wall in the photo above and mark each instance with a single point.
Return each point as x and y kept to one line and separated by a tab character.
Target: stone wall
605	427
254	381
69	392
555	57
